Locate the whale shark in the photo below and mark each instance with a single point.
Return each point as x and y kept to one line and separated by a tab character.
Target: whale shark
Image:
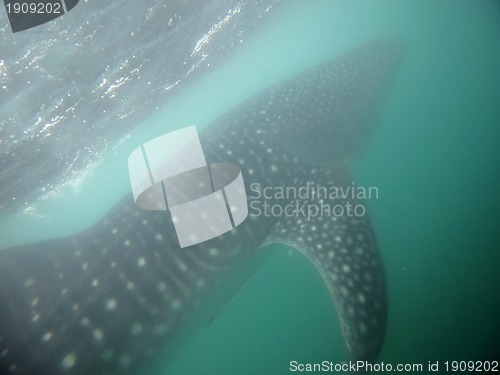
122	292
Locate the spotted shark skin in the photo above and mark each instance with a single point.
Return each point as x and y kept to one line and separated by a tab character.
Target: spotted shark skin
105	301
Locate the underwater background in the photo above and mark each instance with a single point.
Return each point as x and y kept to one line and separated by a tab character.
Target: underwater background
435	159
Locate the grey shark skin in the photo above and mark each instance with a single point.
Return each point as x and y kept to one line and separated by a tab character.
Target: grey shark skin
107	299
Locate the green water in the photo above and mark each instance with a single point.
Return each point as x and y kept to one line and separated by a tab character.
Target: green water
435	160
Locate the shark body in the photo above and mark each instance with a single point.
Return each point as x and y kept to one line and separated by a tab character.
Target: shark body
105	300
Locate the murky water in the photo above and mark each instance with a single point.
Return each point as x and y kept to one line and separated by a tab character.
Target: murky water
434	159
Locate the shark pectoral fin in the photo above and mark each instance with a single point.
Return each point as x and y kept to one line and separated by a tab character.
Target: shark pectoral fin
344	250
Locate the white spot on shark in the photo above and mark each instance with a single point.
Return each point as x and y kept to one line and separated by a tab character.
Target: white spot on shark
361	298
344	291
176	304
136	329
160	329
213	251
98	334
125	360
111	304
362	328
68	361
